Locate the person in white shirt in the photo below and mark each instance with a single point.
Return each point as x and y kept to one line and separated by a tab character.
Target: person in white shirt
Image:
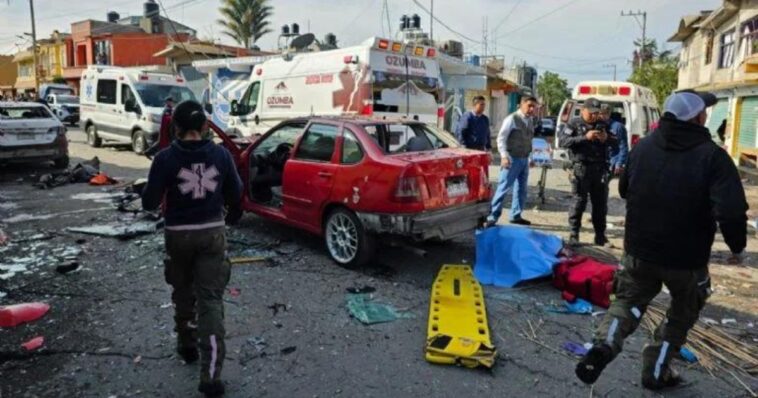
514	143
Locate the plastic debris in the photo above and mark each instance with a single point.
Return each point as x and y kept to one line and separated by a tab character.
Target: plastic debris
579	306
507	255
365	310
259	343
121	231
575	348
67	267
709	321
288	350
234	292
728	321
14	315
102	179
687	355
34	343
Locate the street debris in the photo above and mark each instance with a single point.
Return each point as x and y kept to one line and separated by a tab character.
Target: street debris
259	343
457	332
102	179
361	290
34	343
507	255
98	197
120	231
364	309
82	172
16	314
3	238
233	291
65	268
248	260
276	307
579	306
728	321
687	355
575	348
584	277
288	350
35	254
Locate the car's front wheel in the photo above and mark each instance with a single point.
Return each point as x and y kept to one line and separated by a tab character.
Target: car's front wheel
92	138
139	142
348	243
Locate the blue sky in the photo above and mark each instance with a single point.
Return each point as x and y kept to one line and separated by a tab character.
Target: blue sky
575	40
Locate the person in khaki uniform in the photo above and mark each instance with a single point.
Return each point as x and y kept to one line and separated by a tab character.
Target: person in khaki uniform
196	177
678	186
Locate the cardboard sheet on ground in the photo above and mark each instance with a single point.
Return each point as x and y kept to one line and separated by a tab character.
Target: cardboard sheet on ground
458	333
507	255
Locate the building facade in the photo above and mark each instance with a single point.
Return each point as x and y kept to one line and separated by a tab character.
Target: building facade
720	54
51	57
8	73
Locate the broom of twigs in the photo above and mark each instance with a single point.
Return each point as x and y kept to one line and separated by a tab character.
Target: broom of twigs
715	349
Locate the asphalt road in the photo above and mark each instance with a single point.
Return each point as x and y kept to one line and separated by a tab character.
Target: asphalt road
109	332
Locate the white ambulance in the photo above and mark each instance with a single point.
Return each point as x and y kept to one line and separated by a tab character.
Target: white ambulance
125	105
380	78
636	104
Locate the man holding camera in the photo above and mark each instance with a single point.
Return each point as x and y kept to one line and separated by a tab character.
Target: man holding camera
588	143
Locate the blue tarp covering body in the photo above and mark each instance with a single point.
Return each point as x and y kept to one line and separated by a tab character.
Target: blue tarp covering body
507	255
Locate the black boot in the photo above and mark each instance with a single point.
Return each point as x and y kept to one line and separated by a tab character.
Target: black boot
213	388
574	239
656	369
590	367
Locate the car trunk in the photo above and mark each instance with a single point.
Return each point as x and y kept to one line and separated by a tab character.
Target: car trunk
451	176
16	133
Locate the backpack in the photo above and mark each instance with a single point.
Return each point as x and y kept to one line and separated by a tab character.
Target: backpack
586	278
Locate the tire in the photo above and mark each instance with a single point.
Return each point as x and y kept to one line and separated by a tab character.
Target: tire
93	139
341	228
139	142
61	163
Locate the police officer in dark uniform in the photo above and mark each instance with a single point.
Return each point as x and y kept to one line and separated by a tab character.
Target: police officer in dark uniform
588	142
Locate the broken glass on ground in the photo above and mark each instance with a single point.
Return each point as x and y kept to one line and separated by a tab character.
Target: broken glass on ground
120	231
364	309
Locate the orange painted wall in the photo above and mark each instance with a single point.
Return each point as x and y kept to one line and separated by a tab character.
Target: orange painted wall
137	49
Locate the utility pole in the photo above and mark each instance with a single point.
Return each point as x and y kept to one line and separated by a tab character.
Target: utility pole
484	37
643	25
431	23
614	69
34	49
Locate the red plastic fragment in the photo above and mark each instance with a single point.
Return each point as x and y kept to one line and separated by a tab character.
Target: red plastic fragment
34	343
14	315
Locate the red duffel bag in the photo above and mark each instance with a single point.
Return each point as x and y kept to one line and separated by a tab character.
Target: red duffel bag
586	278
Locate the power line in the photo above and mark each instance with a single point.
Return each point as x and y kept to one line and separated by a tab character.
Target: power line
543	16
444	25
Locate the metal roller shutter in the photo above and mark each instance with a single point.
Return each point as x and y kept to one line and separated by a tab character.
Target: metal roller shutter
748	119
719	112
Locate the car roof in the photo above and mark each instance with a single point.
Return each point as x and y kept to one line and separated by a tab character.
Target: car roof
16	104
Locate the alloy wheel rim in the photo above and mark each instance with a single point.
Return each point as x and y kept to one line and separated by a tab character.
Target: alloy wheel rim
342	238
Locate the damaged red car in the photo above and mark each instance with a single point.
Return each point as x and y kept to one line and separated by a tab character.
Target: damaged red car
352	180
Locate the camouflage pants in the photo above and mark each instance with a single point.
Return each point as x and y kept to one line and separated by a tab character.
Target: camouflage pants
634	286
198	272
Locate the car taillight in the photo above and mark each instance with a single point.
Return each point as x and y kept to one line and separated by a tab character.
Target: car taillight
409	186
635	139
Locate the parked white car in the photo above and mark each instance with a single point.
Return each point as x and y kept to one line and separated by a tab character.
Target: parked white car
65	107
29	132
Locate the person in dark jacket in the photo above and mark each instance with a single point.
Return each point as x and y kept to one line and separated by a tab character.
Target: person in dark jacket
588	143
473	131
678	185
196	177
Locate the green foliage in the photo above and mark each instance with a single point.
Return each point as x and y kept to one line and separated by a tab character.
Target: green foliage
245	21
660	72
553	90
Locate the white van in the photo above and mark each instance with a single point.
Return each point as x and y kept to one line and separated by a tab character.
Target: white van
380	78
125	105
636	104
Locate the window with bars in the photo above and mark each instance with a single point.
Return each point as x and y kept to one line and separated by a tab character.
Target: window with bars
726	52
749	38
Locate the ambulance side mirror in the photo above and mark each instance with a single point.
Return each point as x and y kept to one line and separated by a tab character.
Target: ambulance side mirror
235	108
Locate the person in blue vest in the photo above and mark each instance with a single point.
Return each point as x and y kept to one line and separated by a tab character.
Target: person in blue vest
473	129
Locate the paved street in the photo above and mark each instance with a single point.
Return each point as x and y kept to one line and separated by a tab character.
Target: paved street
289	334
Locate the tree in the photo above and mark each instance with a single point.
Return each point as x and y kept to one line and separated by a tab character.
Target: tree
245	21
659	73
553	90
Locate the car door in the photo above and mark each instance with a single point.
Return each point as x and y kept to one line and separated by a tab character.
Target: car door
107	119
127	119
309	175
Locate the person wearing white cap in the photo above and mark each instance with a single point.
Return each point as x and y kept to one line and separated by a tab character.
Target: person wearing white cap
679	186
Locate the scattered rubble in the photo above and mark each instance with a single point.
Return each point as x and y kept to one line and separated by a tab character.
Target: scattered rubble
121	231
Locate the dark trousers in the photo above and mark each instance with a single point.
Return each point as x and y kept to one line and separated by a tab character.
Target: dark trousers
198	271
589	180
634	287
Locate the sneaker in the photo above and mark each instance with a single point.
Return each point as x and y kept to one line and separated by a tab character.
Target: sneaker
490	222
520	221
589	368
188	354
669	378
211	389
573	240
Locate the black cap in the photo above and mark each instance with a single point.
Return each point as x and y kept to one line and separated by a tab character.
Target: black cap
708	98
592	105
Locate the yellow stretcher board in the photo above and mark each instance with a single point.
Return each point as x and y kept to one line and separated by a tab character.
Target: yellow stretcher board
457	333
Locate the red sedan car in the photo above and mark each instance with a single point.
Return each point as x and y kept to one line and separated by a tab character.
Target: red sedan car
353	179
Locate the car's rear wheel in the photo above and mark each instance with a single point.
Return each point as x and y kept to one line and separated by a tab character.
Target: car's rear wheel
61	163
139	142
92	138
347	242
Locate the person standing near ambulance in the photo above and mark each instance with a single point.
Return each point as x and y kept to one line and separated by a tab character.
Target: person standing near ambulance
473	131
196	177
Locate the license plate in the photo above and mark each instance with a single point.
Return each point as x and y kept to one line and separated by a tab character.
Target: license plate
24	136
457	186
